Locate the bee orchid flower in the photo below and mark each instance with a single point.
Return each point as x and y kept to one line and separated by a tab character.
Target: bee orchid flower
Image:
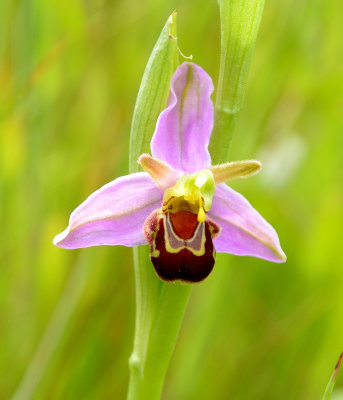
180	205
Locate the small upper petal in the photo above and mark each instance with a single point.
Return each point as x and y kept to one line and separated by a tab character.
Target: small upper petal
244	231
235	169
161	173
113	215
184	128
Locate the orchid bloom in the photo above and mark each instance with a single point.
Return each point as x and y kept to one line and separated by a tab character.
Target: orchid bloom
180	206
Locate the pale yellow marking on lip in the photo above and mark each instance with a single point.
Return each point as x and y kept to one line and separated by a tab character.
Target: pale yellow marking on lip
184	244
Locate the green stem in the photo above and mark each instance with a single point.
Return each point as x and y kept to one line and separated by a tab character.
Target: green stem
160	306
160	310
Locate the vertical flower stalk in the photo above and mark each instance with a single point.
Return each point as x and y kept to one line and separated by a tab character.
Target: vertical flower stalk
240	21
159	306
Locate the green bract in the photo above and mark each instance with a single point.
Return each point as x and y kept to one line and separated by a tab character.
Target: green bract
240	21
153	92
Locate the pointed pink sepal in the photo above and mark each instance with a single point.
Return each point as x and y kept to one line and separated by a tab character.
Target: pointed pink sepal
244	232
113	215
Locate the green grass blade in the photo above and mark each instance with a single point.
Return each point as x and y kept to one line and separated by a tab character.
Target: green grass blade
332	381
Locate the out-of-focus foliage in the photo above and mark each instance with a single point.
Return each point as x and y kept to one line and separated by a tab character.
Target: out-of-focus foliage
69	75
331	384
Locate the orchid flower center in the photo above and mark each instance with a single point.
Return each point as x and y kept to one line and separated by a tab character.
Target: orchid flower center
191	193
180	235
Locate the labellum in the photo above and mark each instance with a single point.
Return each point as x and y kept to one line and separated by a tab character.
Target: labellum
181	245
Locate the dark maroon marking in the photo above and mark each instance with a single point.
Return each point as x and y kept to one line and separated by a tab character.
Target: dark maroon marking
184	265
184	223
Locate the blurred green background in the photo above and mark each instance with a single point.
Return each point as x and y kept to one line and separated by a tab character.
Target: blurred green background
69	75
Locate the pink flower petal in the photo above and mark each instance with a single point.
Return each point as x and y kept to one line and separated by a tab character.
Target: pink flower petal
184	128
161	173
113	215
244	231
